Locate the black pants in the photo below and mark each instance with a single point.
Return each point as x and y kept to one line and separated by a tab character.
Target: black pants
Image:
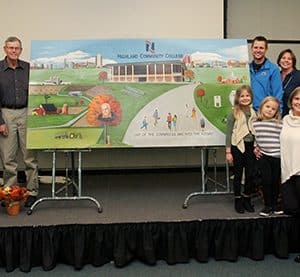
290	192
240	161
270	175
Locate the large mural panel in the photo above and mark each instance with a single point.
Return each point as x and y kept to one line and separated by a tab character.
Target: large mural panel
132	92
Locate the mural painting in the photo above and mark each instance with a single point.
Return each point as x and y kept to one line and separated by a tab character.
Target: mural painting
132	92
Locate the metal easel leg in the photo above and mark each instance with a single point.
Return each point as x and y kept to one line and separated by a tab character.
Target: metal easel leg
193	194
53	191
214	178
205	178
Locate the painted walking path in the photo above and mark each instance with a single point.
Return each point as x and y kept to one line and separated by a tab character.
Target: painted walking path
150	126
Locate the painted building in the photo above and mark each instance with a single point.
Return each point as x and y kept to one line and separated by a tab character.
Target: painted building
161	71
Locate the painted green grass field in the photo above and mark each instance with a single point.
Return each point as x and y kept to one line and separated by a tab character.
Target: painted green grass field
211	85
82	76
63	138
216	115
130	103
210	75
36	100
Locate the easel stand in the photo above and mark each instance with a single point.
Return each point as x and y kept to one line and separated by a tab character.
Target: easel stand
205	178
69	181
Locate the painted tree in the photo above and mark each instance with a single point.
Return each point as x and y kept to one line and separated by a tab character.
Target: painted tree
102	76
189	75
200	92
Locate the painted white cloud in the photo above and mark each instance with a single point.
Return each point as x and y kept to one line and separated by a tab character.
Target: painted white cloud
206	57
237	53
108	61
60	59
76	56
92	60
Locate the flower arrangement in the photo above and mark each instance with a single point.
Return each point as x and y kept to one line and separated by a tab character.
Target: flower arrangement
14	193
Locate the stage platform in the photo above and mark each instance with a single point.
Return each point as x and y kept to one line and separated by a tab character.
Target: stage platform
142	219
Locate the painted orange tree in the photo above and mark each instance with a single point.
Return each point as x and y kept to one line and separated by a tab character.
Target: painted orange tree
104	111
200	92
102	76
189	75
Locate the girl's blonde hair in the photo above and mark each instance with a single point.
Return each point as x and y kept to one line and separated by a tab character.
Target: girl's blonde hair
237	108
277	115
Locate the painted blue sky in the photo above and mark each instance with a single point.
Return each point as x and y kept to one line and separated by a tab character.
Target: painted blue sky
44	51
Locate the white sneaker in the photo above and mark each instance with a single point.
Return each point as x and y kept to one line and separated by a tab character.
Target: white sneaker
278	212
266	211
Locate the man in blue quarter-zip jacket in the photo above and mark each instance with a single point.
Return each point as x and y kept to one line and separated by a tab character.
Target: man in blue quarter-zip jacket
265	75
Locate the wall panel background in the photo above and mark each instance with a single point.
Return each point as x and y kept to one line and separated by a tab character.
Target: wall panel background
68	19
275	19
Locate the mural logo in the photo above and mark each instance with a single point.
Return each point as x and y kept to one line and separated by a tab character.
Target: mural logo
150	46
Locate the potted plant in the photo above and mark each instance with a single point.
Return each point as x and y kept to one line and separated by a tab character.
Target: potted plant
12	196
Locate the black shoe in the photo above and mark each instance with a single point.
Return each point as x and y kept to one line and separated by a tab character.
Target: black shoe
30	200
238	205
297	259
266	211
3	204
248	205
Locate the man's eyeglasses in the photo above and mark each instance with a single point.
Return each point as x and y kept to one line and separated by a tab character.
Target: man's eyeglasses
13	48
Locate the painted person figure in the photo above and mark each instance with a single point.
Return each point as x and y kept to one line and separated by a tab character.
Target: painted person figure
202	123
155	117
169	121
106	116
144	123
174	120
